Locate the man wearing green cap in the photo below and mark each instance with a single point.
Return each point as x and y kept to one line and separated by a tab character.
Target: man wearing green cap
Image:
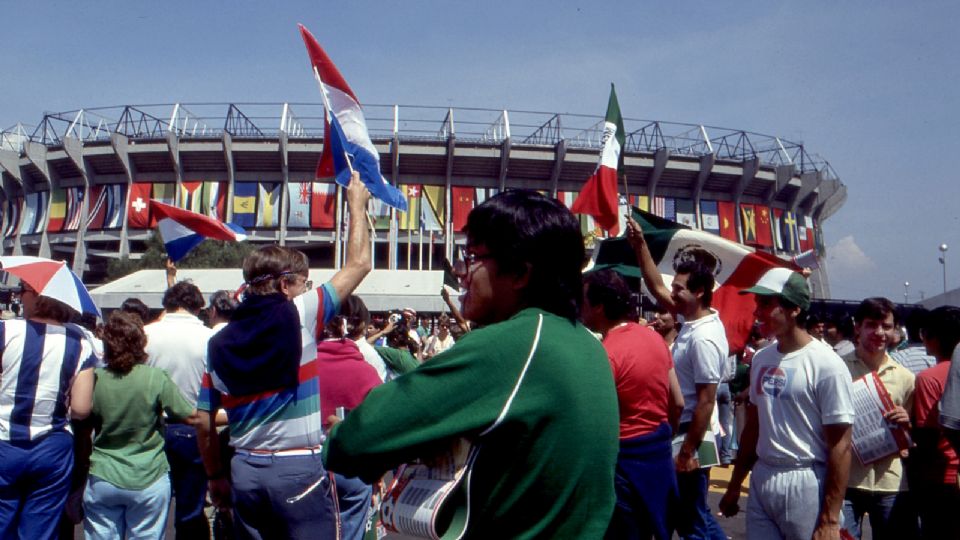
797	434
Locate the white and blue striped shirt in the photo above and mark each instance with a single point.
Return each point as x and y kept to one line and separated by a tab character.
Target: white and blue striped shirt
39	364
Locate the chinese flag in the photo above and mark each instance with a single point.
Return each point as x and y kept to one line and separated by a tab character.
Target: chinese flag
462	200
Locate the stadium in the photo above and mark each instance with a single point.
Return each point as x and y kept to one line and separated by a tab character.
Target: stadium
75	186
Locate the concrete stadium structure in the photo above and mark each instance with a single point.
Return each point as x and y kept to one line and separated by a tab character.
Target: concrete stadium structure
429	146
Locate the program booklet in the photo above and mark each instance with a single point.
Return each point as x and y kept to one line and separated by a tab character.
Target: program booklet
429	499
873	437
707	453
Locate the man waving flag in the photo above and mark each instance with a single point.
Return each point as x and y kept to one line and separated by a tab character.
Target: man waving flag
599	197
345	129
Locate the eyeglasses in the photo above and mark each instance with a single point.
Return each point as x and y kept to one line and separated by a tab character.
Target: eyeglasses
467	260
308	283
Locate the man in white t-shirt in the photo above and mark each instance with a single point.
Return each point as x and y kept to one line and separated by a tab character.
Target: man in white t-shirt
699	356
797	437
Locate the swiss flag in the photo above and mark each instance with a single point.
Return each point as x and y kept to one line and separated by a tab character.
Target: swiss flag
138	209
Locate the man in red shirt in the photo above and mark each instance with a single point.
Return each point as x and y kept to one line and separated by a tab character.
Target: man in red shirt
933	463
650	404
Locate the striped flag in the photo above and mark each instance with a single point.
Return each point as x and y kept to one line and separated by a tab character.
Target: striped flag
323	204
598	196
116	204
191	196
268	205
711	217
245	204
74	208
213	200
58	210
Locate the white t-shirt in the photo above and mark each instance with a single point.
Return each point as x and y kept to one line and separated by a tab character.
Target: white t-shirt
796	395
372	357
699	357
435	345
177	344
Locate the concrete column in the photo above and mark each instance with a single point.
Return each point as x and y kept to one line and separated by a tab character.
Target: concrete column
284	188
74	149
10	162
560	153
37	154
750	168
660	159
121	144
706	166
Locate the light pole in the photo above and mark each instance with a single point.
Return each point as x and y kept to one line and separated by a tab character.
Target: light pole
943	262
906	291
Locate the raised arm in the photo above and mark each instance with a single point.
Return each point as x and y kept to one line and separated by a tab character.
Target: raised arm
454	310
651	275
358	263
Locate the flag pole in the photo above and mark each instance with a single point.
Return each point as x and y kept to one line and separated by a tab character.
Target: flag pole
327	112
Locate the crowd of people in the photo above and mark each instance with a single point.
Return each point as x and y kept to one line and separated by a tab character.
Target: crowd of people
284	406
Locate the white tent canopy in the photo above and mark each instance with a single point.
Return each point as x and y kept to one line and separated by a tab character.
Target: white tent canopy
381	290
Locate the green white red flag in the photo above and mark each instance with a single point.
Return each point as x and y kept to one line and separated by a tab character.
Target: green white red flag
599	197
736	266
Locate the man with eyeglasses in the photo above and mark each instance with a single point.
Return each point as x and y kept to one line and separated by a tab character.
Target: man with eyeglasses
531	389
261	368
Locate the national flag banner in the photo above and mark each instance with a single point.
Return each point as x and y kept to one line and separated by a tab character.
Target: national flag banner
43	199
30	212
728	227
748	223
74	208
97	213
462	201
348	135
299	193
191	196
138	211
380	214
165	192
116	205
710	216
658	206
736	266
789	233
245	203
764	227
807	259
58	209
11	217
565	197
410	219
685	214
670	209
777	237
323	205
268	205
643	203
213	200
806	234
598	196
182	230
433	208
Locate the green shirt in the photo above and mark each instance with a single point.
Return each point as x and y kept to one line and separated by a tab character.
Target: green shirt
400	361
546	467
128	447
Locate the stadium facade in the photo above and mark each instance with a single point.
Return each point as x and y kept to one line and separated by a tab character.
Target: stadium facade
76	185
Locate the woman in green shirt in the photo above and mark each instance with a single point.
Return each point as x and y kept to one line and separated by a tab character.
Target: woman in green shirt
128	492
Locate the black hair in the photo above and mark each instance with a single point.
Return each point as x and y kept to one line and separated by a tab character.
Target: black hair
135	306
608	289
355	311
224	303
521	229
914	321
943	324
875	308
184	295
701	279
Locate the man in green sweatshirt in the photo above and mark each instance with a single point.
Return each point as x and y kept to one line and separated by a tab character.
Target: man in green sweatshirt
531	389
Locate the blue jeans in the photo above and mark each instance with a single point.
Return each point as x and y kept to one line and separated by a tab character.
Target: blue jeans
269	501
34	481
188	479
646	485
695	521
113	512
353	502
892	515
725	413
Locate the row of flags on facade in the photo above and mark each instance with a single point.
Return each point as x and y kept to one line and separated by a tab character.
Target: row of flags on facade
312	205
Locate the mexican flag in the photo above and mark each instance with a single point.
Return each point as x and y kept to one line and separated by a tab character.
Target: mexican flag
736	267
599	197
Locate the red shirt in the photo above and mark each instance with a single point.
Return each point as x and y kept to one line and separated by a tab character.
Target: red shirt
345	377
640	362
926	396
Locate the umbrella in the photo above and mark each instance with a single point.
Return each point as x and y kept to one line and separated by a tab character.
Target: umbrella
51	279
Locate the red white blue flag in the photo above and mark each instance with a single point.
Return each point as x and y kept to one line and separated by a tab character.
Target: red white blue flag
182	230
347	129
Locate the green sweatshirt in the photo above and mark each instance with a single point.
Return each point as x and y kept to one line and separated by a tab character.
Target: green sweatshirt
128	447
545	469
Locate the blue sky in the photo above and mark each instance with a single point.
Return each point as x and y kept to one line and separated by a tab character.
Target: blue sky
870	86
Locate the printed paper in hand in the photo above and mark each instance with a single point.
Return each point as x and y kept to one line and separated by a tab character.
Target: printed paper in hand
873	437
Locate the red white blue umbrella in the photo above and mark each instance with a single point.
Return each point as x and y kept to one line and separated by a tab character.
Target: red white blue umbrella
52	279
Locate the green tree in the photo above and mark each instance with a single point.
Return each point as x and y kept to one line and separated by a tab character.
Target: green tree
209	254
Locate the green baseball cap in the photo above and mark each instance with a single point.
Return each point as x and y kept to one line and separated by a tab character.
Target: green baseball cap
784	283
